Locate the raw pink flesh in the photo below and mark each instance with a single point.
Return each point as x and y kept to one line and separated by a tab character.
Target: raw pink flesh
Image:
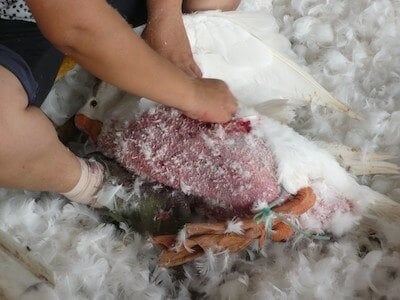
226	164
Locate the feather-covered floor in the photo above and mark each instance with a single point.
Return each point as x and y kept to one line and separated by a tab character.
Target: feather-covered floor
353	49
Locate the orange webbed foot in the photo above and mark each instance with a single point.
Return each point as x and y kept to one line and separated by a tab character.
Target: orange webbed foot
201	237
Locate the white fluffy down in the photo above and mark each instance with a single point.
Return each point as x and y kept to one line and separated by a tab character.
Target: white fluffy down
353	49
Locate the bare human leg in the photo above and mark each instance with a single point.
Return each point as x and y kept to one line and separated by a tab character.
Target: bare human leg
31	156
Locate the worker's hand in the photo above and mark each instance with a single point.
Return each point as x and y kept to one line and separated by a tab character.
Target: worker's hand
166	34
212	102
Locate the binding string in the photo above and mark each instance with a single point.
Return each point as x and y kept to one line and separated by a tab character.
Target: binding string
268	216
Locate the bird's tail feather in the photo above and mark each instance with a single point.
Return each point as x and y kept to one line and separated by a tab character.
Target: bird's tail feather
380	206
358	162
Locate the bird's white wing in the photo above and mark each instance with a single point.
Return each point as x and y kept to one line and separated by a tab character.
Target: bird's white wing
245	50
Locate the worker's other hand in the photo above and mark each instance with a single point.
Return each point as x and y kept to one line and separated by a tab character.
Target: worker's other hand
213	102
167	36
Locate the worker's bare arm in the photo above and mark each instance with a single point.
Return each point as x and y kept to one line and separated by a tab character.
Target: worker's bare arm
100	40
95	35
165	30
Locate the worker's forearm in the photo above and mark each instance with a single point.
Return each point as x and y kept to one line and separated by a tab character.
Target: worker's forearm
161	8
107	47
116	55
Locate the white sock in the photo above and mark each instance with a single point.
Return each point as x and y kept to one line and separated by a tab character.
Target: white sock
92	176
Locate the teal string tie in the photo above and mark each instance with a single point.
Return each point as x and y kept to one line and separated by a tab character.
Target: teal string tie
267	215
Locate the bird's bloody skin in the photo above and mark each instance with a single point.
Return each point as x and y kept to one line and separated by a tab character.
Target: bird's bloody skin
225	164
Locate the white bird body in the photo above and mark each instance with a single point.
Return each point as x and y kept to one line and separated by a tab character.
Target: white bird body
300	163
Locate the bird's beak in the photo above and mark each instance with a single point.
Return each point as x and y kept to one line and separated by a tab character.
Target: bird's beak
89	126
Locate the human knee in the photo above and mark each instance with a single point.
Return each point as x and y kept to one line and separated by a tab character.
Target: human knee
202	5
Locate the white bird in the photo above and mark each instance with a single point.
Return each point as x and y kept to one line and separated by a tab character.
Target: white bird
299	163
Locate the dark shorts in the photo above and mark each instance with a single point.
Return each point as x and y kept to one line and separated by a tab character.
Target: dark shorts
34	61
17	65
